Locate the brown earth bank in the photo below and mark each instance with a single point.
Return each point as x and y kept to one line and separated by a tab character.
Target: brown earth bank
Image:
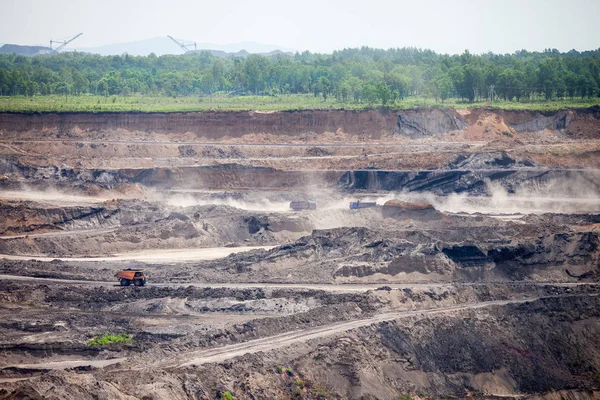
417	150
372	124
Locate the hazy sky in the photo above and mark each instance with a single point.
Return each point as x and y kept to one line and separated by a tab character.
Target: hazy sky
445	26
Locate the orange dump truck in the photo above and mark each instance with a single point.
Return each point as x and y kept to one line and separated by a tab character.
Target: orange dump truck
128	276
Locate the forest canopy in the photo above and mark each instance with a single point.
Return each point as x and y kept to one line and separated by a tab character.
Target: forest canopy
364	75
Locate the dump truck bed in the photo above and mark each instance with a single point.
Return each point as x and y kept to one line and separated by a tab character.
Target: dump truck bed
125	274
130	273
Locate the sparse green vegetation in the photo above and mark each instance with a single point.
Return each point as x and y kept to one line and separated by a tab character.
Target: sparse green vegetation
318	391
279	369
299	383
89	103
227	396
507	133
107	338
289	371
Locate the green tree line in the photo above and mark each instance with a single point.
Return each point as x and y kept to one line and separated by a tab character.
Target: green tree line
363	75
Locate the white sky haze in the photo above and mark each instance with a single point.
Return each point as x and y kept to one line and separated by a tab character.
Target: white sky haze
500	26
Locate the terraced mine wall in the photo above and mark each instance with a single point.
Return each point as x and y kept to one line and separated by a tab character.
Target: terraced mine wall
234	176
155	149
459	181
228	176
371	124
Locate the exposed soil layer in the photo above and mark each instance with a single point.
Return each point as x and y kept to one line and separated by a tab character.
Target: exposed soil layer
445	253
370	123
444	151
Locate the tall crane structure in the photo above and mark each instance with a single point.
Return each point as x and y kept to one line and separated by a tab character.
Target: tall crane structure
183	46
63	43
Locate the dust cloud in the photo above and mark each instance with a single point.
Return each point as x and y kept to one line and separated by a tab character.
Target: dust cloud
557	196
51	196
260	205
562	197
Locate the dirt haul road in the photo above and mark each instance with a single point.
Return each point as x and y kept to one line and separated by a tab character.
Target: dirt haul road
287	339
220	354
152	256
339	287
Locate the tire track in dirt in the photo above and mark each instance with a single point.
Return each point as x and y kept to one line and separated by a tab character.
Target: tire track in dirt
69	364
284	340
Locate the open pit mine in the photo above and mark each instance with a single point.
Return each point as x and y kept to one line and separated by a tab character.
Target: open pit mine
301	254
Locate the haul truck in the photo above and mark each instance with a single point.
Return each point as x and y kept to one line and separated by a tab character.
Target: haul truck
303	205
355	205
128	276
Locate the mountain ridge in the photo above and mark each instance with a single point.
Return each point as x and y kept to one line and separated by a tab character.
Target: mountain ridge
163	45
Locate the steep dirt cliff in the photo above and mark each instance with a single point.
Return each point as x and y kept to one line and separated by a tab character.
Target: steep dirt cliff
370	124
210	124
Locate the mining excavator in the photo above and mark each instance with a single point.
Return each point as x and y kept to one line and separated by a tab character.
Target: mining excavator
128	276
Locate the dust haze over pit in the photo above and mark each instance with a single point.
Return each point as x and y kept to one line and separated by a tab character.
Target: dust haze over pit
317	26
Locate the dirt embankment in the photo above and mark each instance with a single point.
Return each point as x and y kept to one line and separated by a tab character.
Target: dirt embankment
26	218
437	150
211	124
362	125
439	250
131	225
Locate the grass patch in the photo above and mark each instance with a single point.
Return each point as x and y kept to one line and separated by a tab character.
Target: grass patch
318	391
227	396
88	103
108	339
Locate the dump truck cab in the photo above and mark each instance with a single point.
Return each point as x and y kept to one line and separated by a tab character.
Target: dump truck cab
355	205
128	276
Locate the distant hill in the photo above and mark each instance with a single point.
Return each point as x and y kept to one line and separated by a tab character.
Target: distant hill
241	53
164	45
24	50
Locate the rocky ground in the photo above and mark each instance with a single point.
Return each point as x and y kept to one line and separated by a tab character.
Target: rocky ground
480	280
